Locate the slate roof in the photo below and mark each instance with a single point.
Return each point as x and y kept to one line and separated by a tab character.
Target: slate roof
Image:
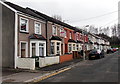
55	38
55	20
23	10
40	15
36	36
71	40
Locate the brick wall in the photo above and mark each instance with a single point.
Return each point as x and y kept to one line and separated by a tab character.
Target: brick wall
66	57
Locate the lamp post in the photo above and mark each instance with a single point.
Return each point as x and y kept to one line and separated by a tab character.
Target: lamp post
83	31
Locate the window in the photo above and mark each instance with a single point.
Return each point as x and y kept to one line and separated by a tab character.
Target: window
61	32
70	35
58	48
33	49
54	29
23	25
23	49
77	47
41	49
37	28
77	36
70	47
52	48
65	32
73	46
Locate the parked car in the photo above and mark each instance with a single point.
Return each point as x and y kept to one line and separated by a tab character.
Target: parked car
110	50
114	49
96	54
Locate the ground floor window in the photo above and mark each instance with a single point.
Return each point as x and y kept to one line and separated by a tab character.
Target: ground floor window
77	47
58	48
55	48
33	49
73	46
52	48
23	49
37	48
41	49
70	47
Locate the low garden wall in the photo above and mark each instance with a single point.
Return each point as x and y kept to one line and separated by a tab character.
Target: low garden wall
66	57
46	61
26	63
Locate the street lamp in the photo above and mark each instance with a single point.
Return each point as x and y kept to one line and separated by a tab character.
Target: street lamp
83	31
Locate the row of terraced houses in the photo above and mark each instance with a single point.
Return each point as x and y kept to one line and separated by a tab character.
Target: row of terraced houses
28	34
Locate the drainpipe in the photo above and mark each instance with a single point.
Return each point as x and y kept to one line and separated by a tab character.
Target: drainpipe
46	38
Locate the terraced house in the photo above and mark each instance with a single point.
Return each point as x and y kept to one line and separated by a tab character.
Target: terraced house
37	40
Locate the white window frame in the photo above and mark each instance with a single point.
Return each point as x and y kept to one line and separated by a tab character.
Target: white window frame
65	32
55	47
27	27
77	48
39	27
71	47
37	47
53	26
26	48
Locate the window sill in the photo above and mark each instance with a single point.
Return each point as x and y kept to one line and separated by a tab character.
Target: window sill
24	32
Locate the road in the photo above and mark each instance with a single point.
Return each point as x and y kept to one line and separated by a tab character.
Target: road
100	70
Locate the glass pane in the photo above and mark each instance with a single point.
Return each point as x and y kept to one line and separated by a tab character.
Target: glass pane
41	51
23	24
23	49
52	48
33	49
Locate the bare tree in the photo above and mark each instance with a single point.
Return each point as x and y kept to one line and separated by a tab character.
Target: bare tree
58	17
114	30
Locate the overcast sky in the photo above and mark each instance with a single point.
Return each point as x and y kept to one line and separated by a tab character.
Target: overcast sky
77	12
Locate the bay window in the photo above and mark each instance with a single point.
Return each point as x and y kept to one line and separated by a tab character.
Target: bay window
73	46
58	48
52	48
69	47
55	48
77	46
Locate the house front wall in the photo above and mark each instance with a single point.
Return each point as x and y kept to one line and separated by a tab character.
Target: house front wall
50	34
24	37
67	37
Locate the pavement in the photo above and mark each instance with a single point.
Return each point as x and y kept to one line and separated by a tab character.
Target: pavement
21	76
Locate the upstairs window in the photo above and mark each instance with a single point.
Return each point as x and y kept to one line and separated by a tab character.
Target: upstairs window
37	28
54	30
61	32
65	32
23	24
